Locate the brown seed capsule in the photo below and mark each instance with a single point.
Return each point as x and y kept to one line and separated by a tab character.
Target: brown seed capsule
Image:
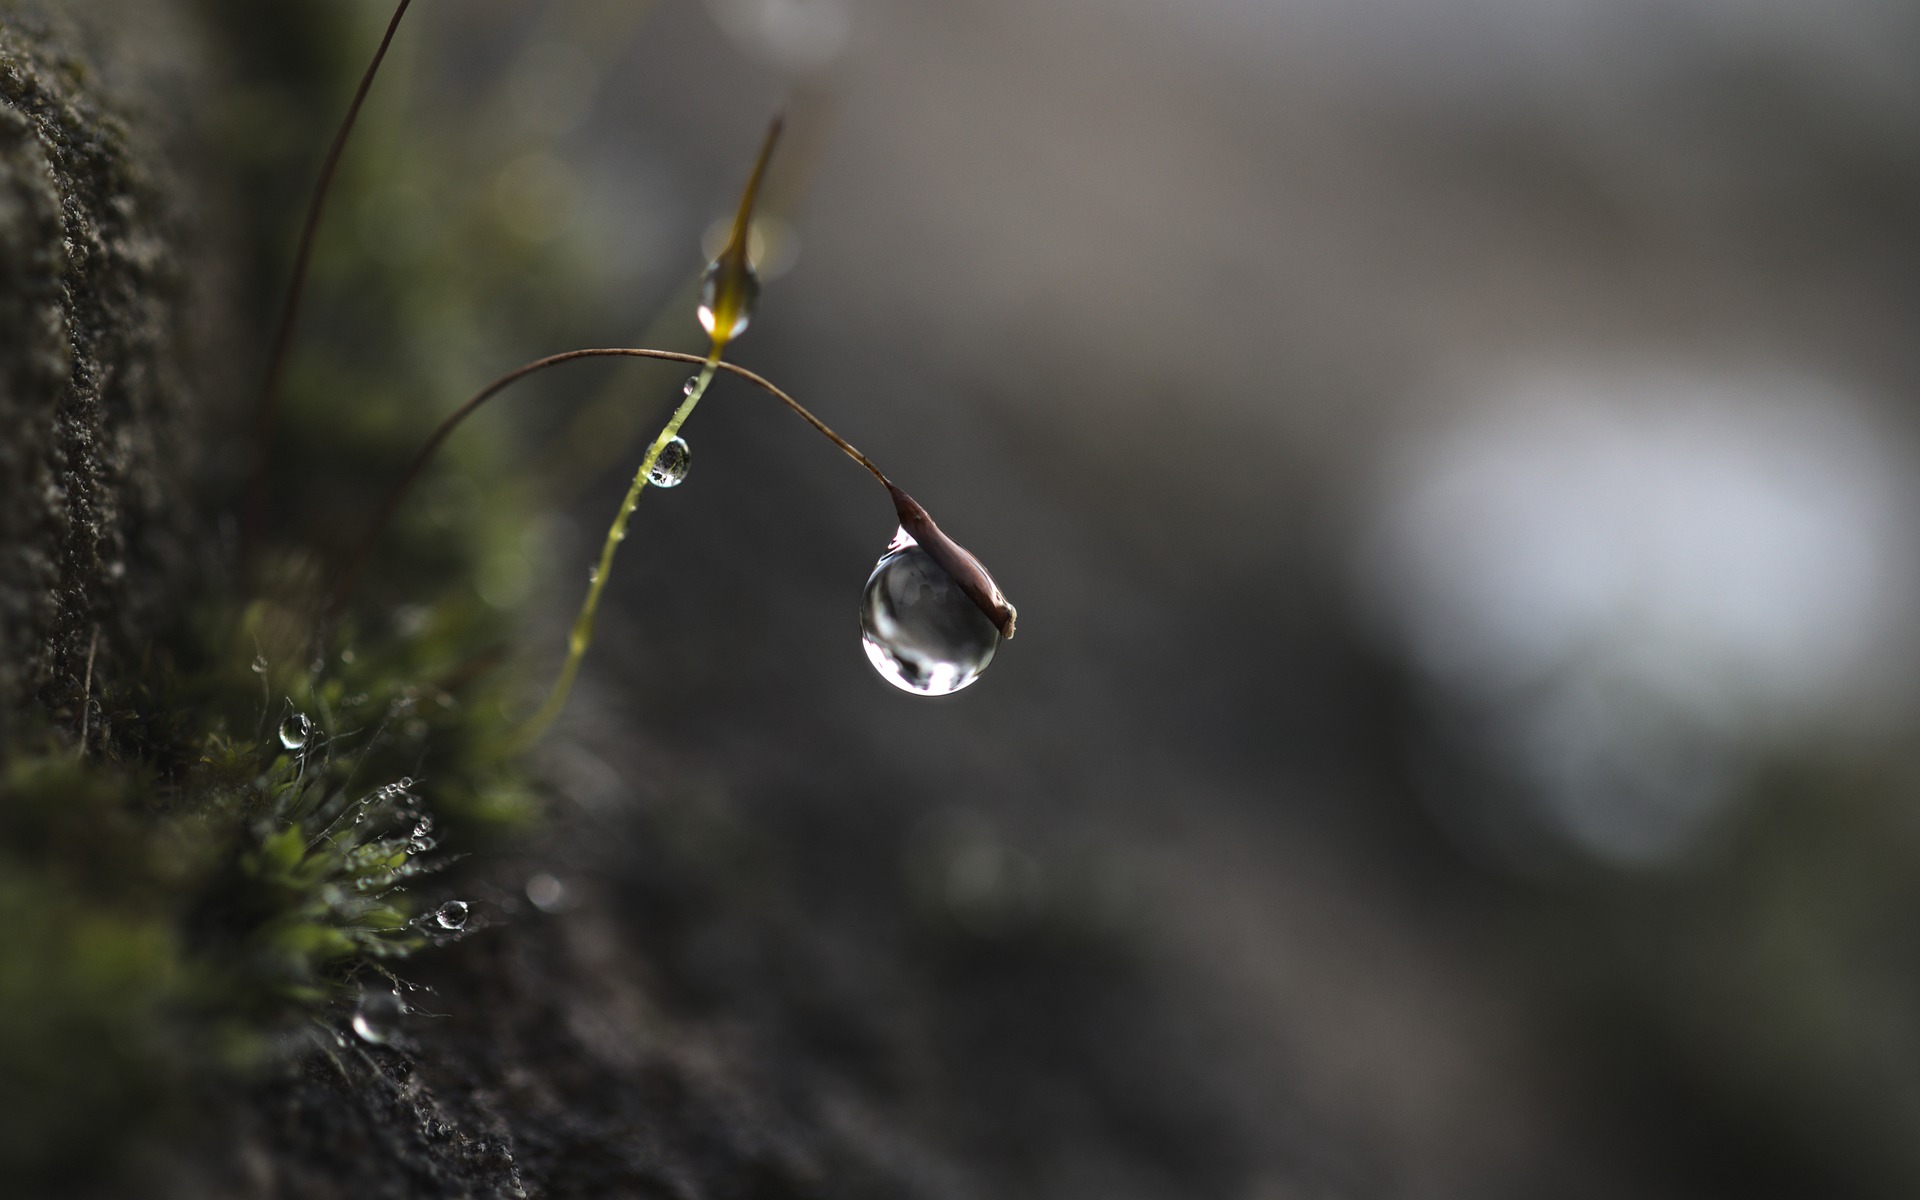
953	558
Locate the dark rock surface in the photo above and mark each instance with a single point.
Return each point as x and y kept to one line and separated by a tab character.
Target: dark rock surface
100	313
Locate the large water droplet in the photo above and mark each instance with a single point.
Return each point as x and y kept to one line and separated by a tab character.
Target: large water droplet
710	284
921	632
378	1018
452	915
690	386
670	469
295	731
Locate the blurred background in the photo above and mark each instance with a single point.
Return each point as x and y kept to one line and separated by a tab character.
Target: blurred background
1455	464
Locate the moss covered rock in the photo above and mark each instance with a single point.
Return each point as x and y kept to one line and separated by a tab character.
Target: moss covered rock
95	304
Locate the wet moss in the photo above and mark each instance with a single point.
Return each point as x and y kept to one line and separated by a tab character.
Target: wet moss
192	900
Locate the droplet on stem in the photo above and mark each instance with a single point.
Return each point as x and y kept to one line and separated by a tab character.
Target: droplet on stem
920	629
728	291
452	915
670	468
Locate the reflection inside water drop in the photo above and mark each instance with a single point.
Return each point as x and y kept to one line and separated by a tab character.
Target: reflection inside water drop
452	915
378	1018
921	632
295	730
670	469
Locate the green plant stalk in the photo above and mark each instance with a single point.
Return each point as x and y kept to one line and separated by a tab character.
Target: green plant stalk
580	636
267	411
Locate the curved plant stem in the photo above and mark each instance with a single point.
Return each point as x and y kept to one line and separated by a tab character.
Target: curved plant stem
952	557
268	411
581	634
357	565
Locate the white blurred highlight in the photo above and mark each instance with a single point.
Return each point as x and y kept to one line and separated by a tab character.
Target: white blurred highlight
1625	580
796	35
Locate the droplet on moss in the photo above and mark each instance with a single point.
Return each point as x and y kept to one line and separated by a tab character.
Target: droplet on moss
296	731
378	1018
420	840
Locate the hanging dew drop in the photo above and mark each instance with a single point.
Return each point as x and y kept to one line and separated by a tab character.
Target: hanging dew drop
921	632
296	731
748	285
691	386
378	1018
670	469
452	915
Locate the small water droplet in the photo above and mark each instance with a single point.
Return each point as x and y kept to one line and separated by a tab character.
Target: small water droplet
670	469
347	656
419	841
690	386
378	1018
260	664
452	915
710	296
295	731
547	893
919	629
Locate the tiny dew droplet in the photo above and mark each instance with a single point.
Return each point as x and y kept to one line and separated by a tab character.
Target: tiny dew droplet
670	468
377	1019
691	386
259	664
420	841
719	271
919	629
452	915
295	731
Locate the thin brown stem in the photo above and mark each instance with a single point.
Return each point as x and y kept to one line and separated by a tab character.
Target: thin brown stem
357	565
268	412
